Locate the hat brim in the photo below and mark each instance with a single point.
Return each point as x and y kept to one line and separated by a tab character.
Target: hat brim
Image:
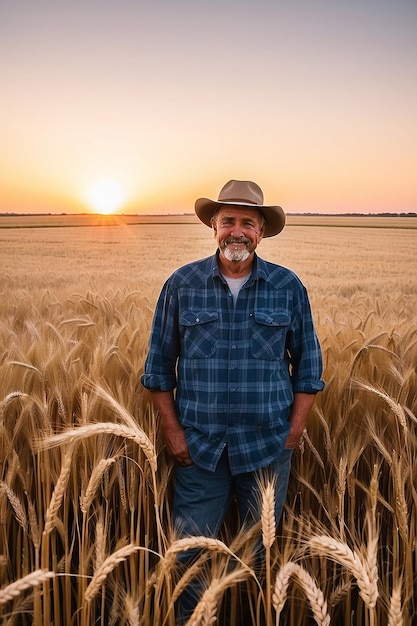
274	215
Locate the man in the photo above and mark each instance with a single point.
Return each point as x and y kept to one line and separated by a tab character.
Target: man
234	365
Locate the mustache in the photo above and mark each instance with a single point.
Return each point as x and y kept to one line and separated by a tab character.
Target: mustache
237	240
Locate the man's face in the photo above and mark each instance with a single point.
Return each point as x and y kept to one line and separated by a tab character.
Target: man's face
237	231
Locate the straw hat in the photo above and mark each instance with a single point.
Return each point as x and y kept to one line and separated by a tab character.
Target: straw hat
242	193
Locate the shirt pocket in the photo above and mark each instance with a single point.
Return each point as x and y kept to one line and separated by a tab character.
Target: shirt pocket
199	333
269	334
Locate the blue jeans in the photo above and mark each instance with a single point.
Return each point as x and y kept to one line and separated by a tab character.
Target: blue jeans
202	500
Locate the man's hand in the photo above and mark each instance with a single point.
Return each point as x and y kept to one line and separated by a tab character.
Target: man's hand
176	445
171	430
298	418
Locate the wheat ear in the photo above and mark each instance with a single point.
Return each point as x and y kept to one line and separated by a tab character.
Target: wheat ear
200	543
189	574
94	482
395	617
312	591
268	515
31	580
132	610
6	401
16	505
341	591
58	493
401	508
205	611
395	407
341	553
106	567
102	428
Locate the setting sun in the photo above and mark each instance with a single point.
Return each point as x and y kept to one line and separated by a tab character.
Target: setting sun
106	196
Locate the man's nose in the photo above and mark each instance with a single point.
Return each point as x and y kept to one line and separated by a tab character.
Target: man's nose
237	230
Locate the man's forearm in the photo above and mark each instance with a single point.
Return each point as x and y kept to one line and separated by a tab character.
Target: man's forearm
171	430
163	402
298	418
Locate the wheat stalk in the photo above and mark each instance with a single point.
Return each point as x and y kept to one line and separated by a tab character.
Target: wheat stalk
19	511
102	428
315	452
30	580
120	411
205	612
200	543
268	515
395	617
342	554
313	592
189	574
58	493
25	365
341	591
268	536
122	484
100	543
395	407
132	610
106	567
94	482
6	401
401	509
33	523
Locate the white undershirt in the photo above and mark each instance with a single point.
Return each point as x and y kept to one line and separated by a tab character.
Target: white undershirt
235	285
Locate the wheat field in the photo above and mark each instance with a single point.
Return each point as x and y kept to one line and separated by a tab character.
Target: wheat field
85	490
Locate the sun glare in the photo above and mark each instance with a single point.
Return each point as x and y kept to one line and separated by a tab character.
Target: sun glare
106	196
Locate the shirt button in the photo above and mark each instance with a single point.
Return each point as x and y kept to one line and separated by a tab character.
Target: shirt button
233	346
197	319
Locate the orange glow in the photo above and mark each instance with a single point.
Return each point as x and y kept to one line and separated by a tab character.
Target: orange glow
106	196
319	111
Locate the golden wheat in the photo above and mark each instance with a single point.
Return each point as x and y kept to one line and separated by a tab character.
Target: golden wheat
94	482
268	515
199	543
365	575
312	591
30	580
205	612
395	615
74	336
106	428
59	491
105	568
16	504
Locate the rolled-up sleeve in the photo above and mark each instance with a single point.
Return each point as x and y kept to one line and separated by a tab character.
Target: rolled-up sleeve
304	350
161	362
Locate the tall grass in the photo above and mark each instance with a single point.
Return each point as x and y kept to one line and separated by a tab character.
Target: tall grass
85	488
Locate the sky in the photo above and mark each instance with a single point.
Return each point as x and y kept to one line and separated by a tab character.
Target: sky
143	106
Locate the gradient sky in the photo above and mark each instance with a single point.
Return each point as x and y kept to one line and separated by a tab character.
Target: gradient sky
316	100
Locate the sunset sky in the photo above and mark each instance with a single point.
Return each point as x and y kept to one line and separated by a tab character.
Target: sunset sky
166	100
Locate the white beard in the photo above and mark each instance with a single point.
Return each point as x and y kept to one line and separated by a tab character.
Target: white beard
236	255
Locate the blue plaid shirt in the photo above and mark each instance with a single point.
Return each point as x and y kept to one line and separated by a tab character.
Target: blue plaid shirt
235	367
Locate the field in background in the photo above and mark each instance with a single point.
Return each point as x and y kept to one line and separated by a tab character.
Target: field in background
92	219
84	519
